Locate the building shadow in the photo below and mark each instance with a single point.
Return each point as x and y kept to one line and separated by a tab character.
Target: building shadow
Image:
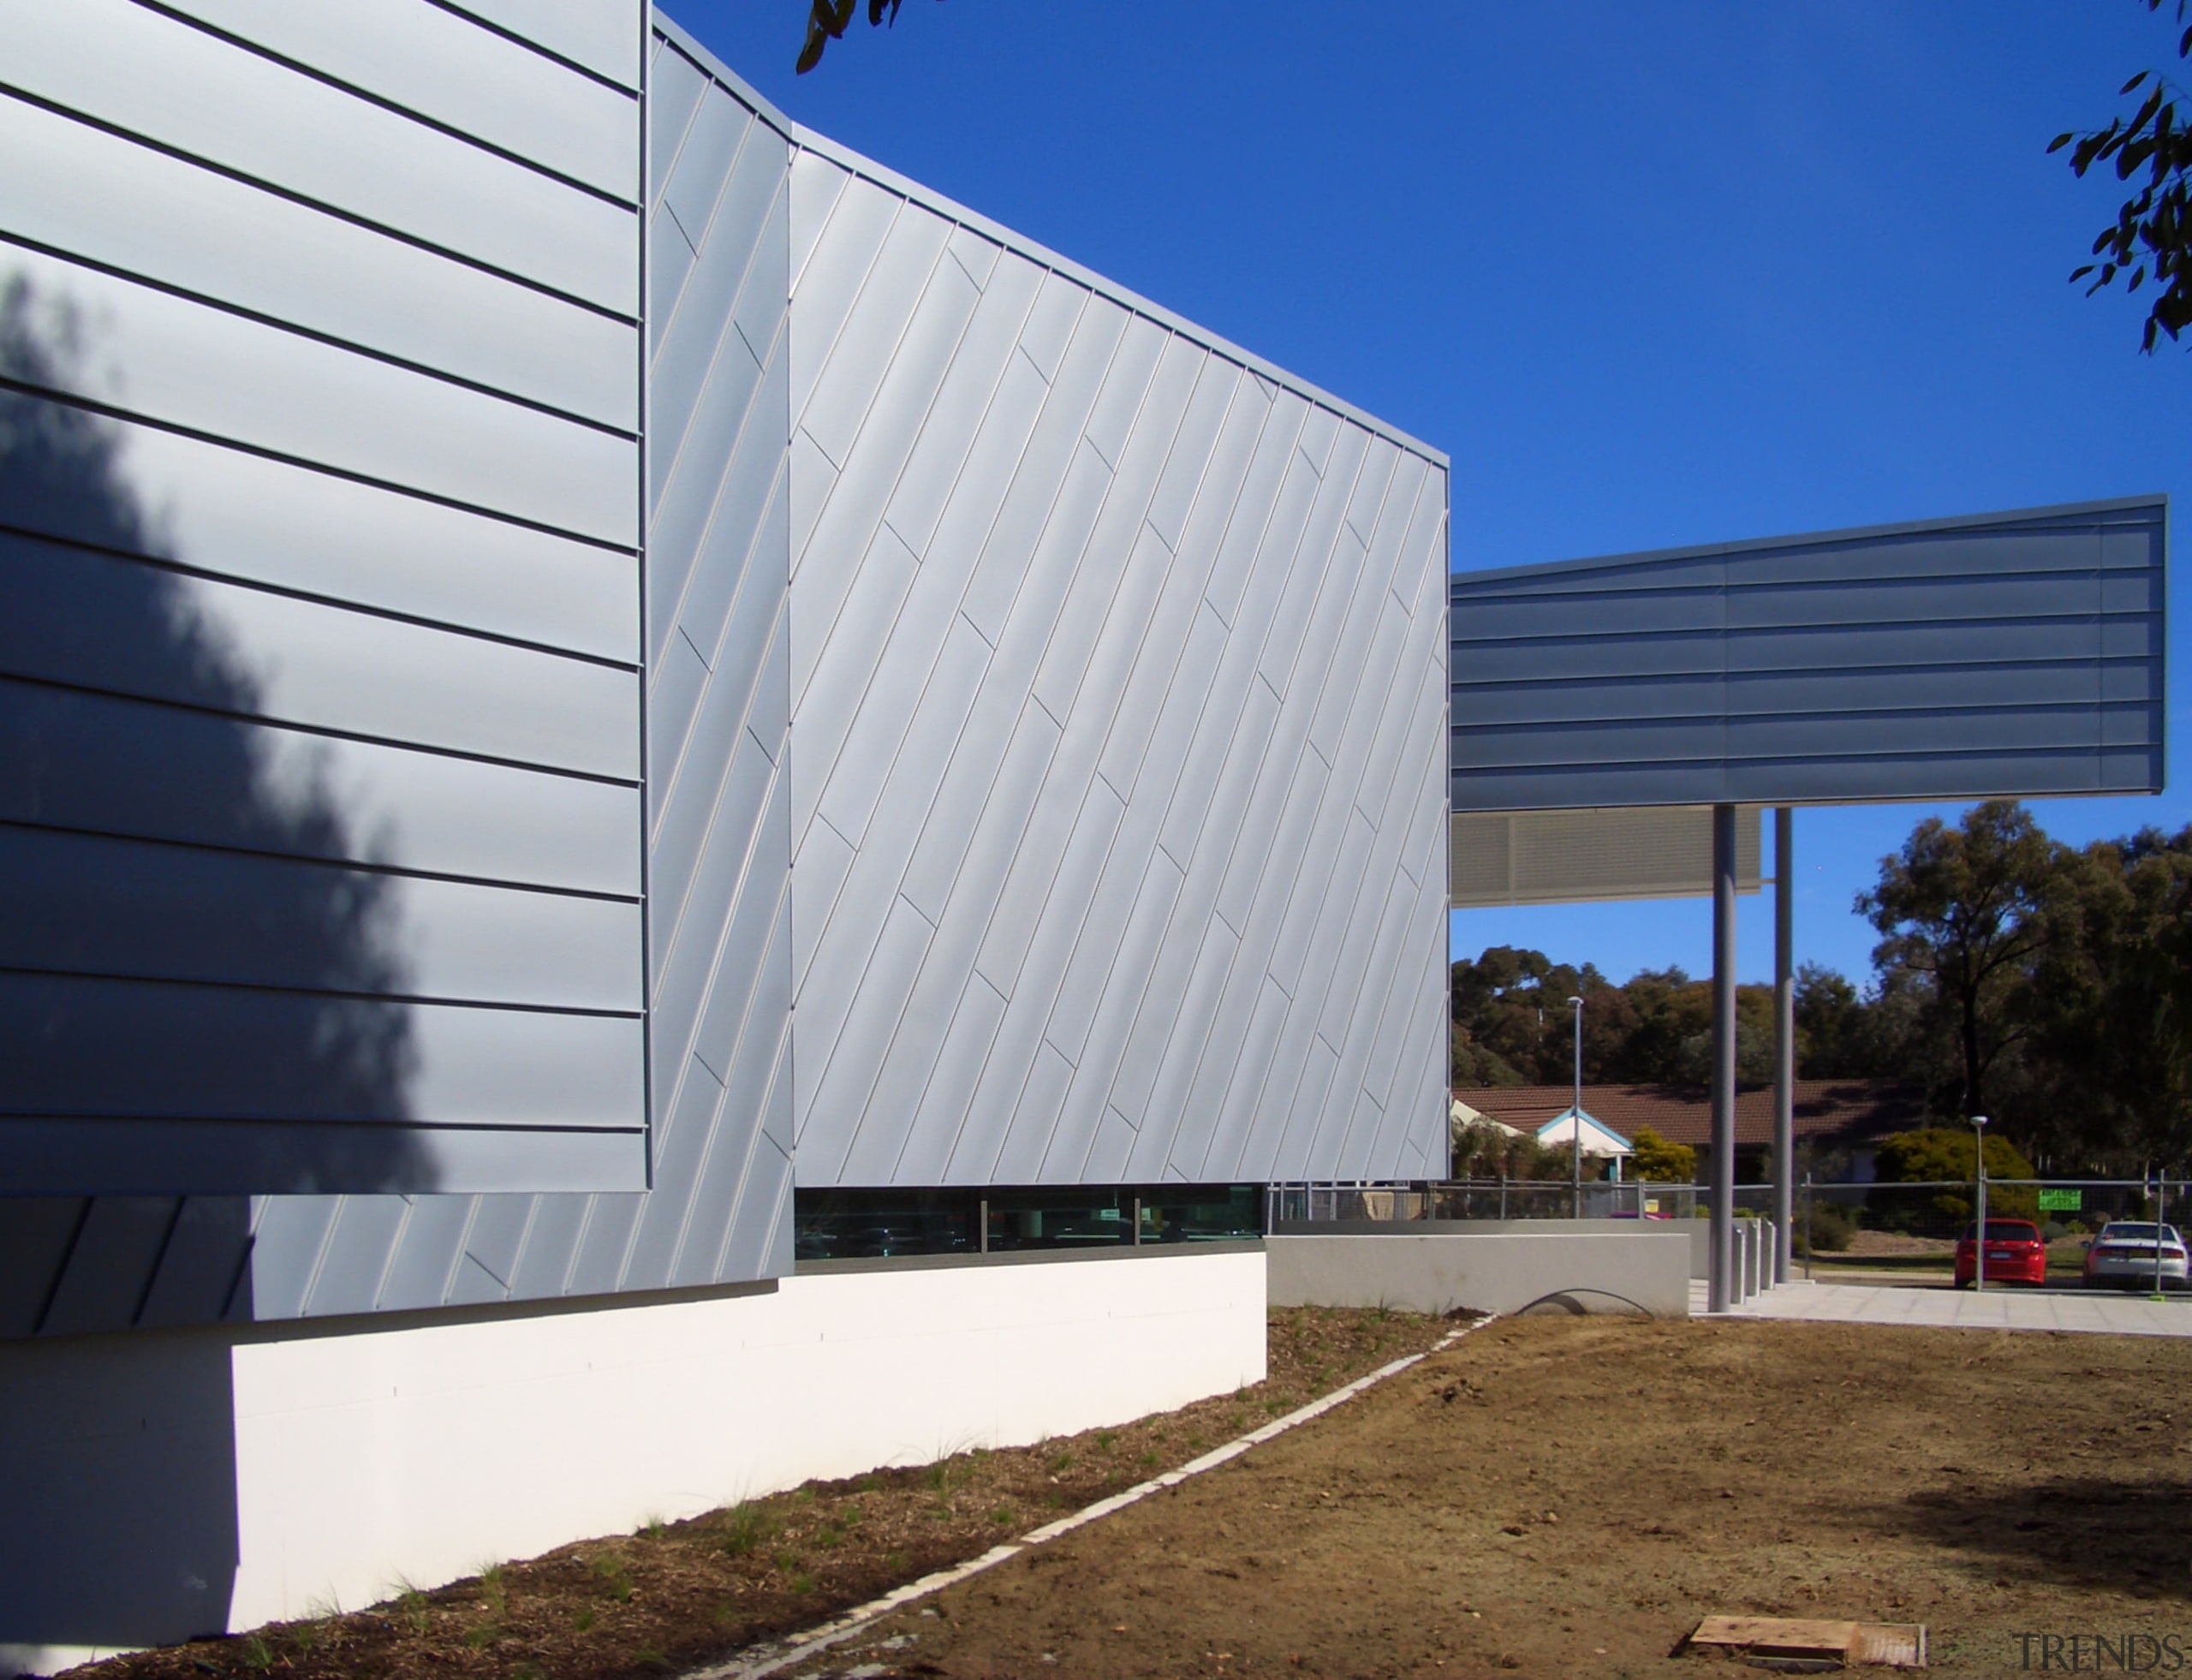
2120	1533
118	1475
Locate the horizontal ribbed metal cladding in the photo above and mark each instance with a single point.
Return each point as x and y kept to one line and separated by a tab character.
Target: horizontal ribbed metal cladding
2010	653
320	811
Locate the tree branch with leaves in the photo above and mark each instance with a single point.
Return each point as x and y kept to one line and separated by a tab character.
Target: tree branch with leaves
2153	229
828	19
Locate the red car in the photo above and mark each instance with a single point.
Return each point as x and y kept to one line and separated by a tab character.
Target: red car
2016	1254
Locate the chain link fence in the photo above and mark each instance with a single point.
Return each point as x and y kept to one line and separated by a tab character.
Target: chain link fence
1877	1232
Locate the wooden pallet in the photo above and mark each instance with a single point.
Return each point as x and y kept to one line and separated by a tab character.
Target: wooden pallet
1885	1644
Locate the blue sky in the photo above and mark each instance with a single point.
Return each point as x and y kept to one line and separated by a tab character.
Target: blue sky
1651	276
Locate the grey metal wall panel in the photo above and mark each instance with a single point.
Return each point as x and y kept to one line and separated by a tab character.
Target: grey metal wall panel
604	39
107	201
2007	653
199	1268
37	1234
224	513
77	618
1056	712
319	639
128	1233
436	63
718	829
203	1055
185	365
159	78
126	766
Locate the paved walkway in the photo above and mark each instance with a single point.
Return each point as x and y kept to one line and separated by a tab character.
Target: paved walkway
2103	1313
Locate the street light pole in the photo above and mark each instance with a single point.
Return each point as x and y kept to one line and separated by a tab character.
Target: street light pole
1575	1118
1979	1231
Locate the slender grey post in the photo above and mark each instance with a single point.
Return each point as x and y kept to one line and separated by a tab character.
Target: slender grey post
1979	1224
1575	1117
1784	1039
1721	1289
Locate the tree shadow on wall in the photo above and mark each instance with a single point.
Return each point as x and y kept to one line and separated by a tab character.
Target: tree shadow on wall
178	944
191	999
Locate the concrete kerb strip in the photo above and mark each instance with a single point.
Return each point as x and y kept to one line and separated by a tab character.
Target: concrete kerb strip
758	1665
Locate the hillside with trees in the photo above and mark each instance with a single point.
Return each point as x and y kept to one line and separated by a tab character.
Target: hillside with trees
2048	987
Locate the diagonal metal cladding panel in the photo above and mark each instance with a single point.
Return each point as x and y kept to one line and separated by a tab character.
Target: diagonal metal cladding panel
2007	653
1569	857
319	635
1117	667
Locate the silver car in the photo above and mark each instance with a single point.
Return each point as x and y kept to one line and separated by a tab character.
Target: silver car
2123	1255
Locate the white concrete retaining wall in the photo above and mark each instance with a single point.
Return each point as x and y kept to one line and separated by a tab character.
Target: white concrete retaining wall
1699	1231
260	1473
1499	1272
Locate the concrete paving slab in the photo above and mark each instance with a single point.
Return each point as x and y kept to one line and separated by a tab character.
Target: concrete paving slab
2092	1313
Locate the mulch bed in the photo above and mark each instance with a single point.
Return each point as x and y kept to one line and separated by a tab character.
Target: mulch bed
678	1595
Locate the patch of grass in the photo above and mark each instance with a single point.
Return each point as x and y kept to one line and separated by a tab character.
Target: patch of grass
800	1583
481	1637
414	1607
789	1561
1148	1458
827	1538
257	1653
582	1619
648	1656
1001	1515
746	1526
1106	1438
614	1576
654	1527
895	1561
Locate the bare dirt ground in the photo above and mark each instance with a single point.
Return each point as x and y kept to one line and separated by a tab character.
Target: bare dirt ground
1870	1244
1567	1497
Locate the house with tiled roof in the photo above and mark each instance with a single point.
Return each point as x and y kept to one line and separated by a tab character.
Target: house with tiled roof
1845	1117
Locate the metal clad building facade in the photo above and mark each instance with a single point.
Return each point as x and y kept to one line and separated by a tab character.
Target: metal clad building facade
1045	697
2015	652
1117	677
319	828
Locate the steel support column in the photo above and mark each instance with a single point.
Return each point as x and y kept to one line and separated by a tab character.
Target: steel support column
1784	1039
1722	1290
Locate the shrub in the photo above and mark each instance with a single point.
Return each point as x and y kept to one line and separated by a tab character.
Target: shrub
1659	1162
1831	1228
1941	1154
